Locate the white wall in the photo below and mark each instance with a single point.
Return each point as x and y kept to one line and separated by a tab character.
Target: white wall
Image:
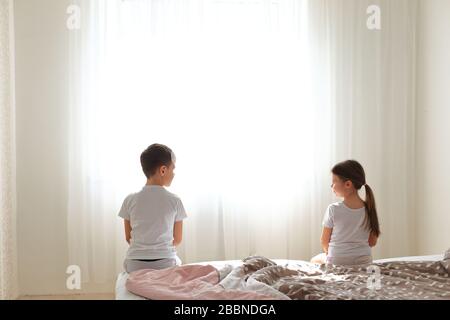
433	127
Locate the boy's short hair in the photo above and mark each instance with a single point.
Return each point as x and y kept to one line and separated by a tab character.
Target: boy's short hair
154	157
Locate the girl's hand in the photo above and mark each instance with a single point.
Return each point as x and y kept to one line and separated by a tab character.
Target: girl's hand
325	239
319	259
373	239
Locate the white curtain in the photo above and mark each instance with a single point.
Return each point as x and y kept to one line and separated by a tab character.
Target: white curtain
8	254
258	99
372	95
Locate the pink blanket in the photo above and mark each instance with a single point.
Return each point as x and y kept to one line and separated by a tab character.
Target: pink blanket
190	282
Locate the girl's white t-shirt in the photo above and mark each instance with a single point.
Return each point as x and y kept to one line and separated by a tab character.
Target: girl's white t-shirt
350	237
152	213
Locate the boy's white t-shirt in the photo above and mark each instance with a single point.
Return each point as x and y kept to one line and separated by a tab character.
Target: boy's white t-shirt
152	213
350	237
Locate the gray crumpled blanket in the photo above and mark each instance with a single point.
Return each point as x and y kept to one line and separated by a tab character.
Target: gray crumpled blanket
383	281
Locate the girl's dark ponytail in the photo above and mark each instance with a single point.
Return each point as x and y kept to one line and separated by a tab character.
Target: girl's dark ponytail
372	217
352	170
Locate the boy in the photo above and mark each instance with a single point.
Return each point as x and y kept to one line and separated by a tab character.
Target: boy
153	217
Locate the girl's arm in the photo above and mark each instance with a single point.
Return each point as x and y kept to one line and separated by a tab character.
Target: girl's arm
127	230
372	240
177	233
325	239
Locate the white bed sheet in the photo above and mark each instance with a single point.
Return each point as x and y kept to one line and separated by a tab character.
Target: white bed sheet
123	294
436	257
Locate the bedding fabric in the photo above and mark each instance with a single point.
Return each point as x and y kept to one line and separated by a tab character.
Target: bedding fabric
379	281
194	282
405	278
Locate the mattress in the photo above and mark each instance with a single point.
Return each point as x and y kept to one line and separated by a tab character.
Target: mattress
123	294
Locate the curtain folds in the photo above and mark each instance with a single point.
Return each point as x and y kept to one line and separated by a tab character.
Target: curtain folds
258	99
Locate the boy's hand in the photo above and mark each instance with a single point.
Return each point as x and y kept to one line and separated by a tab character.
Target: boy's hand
127	225
177	233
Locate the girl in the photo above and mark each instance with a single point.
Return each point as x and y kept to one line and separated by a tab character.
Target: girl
350	227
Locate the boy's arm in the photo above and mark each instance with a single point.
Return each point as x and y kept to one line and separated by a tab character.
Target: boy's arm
325	238
127	230
177	233
372	240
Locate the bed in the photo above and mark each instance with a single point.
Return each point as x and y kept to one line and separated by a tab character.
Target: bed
224	266
123	294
